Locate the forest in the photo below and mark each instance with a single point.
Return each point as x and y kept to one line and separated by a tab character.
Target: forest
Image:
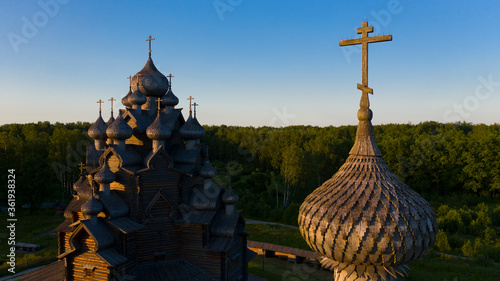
455	166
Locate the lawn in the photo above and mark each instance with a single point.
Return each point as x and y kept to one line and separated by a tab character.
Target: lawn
34	229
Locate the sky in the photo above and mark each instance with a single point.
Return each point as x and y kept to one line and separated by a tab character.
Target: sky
253	62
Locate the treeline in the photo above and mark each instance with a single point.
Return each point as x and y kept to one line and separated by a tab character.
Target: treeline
275	168
45	158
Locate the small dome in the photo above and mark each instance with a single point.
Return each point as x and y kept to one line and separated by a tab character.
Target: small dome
169	99
208	171
91	207
98	130
230	197
105	175
125	100
110	121
154	83
158	130
119	130
192	130
137	97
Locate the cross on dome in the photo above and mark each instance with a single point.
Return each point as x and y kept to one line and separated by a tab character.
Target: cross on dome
111	100
364	41
194	106
190	99
100	102
149	40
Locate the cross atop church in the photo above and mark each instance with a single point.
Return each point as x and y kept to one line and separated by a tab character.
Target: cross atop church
364	41
158	101
100	102
190	99
82	167
112	100
150	39
194	106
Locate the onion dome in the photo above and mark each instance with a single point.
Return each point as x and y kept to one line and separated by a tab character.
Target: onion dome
91	207
98	130
158	130
208	171
169	99
364	221
154	83
119	130
137	97
105	175
110	121
230	197
192	130
125	100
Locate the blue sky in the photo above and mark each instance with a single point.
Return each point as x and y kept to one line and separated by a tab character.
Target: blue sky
253	62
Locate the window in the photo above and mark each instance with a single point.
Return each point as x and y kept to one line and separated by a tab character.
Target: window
89	272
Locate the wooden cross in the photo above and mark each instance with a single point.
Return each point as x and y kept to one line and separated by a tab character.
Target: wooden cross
112	100
195	105
364	41
190	99
170	76
150	39
82	167
158	100
100	102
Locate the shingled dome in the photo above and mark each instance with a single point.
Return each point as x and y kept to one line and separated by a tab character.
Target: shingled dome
230	197
192	130
119	130
208	170
91	207
158	130
125	100
364	221
105	175
154	83
137	97
169	99
98	130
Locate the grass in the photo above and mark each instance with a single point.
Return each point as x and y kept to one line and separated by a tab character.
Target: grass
276	234
431	267
29	229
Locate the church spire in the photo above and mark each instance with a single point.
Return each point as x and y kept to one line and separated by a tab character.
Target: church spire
365	138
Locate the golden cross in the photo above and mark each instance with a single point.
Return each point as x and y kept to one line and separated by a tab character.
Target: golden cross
158	100
190	99
82	167
170	76
100	102
150	39
364	41
195	105
111	100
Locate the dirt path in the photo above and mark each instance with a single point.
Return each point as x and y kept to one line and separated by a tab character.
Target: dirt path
249	221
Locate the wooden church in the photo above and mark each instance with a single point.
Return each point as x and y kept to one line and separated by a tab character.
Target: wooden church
147	208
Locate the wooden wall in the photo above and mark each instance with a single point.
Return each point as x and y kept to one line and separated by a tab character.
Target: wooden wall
84	258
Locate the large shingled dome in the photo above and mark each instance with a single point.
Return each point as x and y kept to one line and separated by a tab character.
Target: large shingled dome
98	130
192	130
364	221
154	83
119	130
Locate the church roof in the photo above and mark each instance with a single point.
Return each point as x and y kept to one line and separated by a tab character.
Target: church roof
55	271
192	129
119	130
125	225
114	205
159	129
154	83
125	100
98	129
169	99
105	175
